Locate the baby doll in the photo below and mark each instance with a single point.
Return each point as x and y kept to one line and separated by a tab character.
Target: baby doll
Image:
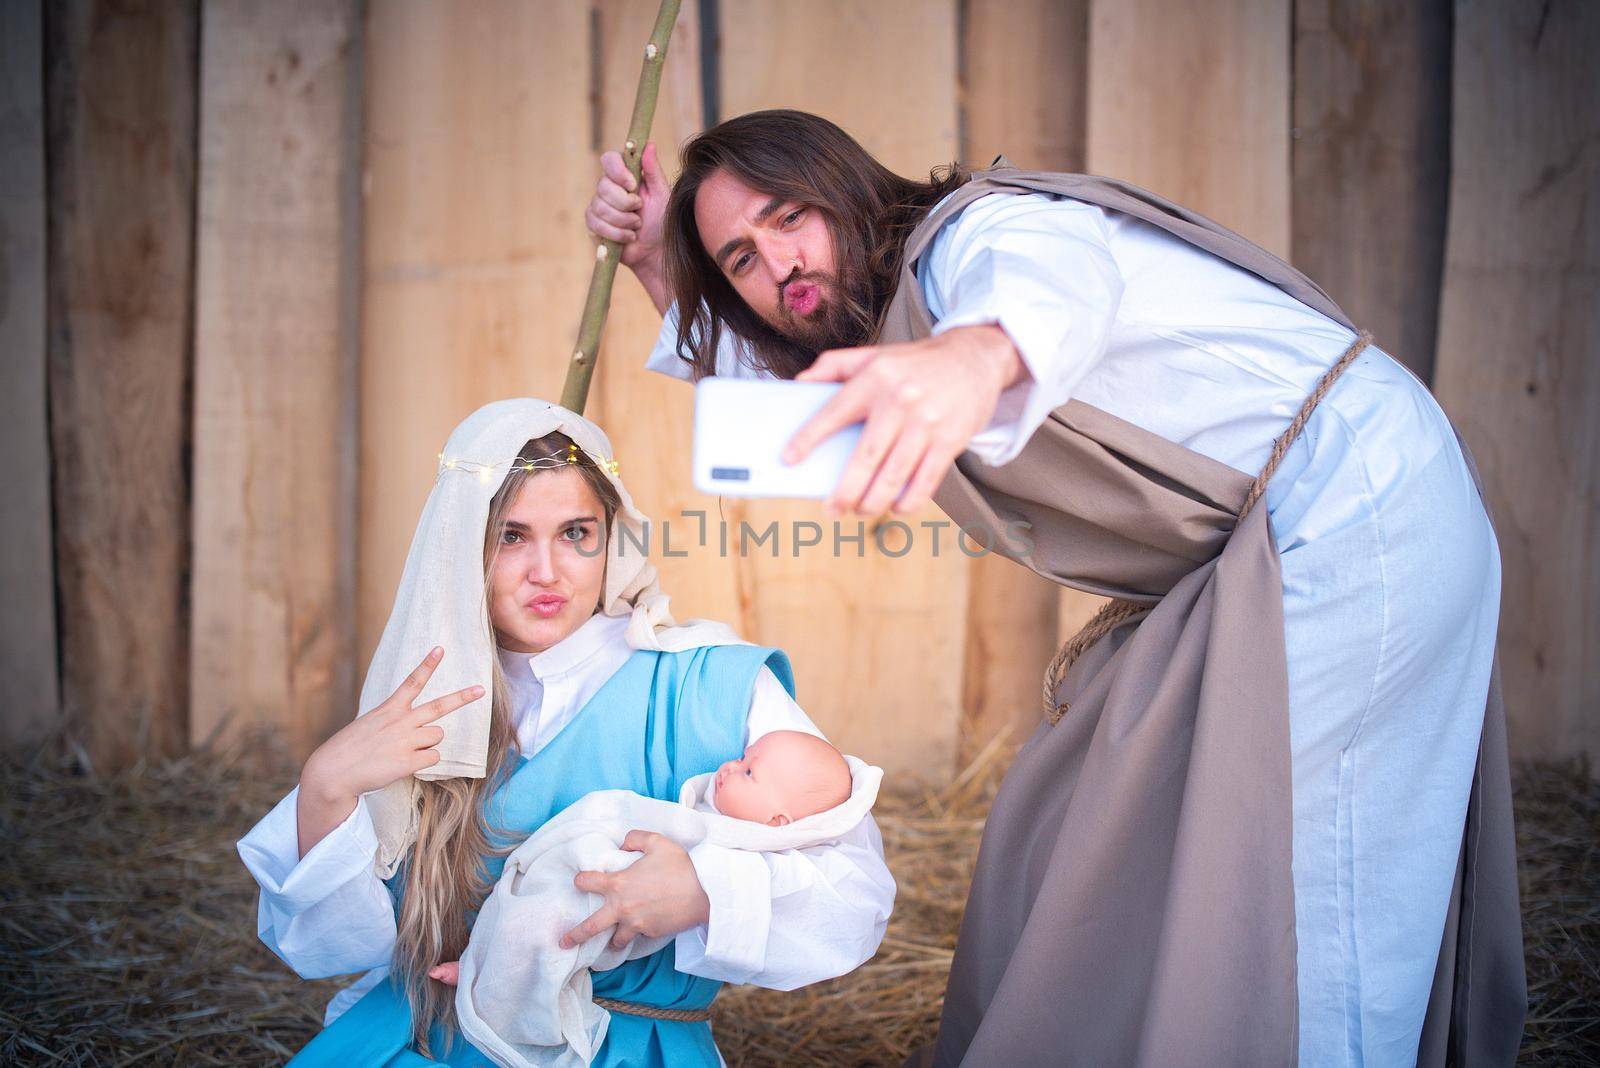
525	1000
782	777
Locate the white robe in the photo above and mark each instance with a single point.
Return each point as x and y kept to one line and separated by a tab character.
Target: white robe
779	920
1391	573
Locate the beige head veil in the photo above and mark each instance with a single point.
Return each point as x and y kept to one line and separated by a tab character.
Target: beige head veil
441	599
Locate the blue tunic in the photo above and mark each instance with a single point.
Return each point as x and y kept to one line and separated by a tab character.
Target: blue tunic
660	720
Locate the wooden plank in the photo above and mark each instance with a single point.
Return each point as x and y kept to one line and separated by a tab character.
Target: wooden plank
649	420
1519	344
1025	82
877	641
275	363
478	167
30	699
1025	94
1013	617
1190	99
883	71
120	100
1371	163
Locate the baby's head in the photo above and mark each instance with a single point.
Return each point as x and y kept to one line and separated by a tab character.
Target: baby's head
784	776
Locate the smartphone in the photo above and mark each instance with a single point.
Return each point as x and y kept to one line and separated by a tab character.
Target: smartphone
741	426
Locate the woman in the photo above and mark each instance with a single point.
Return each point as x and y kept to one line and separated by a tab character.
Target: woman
552	669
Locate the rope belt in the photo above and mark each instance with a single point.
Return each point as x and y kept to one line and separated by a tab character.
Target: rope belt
654	1012
1116	612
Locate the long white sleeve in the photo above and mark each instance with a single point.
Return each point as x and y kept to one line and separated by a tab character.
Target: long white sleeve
786	919
326	913
1041	268
732	361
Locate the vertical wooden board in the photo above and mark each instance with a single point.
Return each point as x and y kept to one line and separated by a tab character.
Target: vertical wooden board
650	420
1012	619
30	700
1190	99
277	249
1024	93
877	641
478	167
1371	163
120	101
1519	344
884	71
1024	82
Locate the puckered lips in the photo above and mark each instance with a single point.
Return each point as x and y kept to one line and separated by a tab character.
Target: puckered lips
546	605
802	298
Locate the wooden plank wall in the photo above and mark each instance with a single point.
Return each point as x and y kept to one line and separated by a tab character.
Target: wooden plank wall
275	364
120	93
30	700
1519	343
877	641
1318	129
1191	101
479	165
1371	163
1024	79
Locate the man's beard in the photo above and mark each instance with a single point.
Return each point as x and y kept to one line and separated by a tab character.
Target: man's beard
837	322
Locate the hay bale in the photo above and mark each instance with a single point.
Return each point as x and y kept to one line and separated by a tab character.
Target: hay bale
127	924
1558	862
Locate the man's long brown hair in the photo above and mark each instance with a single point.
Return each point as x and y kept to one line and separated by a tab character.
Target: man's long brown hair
806	159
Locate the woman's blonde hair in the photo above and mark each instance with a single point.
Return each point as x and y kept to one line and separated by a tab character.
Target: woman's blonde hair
444	874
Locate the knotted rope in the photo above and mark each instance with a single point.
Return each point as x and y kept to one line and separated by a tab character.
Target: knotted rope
1116	612
654	1012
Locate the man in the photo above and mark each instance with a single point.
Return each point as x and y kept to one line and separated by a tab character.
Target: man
784	249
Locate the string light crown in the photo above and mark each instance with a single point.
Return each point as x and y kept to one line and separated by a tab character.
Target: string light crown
485	471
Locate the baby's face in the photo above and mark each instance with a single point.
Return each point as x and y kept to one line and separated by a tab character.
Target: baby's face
782	777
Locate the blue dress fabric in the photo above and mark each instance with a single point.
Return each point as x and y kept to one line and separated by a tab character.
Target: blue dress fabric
660	720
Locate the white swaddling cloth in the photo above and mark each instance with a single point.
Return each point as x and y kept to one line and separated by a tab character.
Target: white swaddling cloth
525	1001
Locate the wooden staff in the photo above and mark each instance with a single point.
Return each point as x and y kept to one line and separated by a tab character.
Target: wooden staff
608	253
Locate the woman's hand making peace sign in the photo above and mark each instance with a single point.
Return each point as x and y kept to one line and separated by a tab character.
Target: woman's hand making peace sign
385	745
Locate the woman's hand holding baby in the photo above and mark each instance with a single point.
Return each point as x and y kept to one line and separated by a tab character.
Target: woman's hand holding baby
385	745
658	896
